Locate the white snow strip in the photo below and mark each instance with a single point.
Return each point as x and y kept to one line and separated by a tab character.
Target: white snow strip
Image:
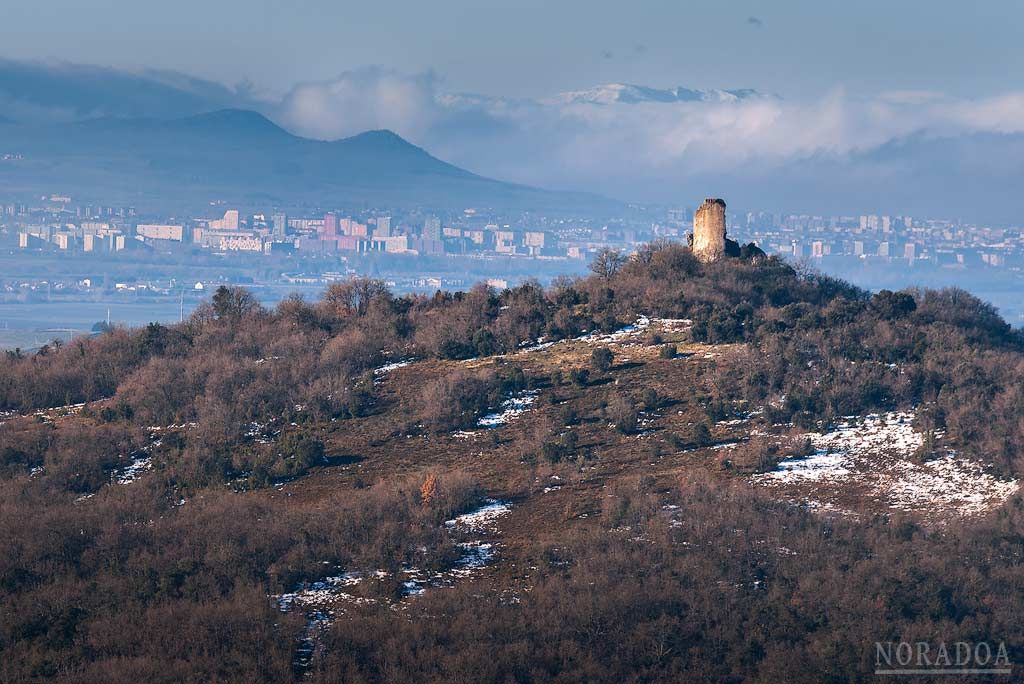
620	336
133	470
642	323
321	593
387	368
509	410
817	466
539	346
482	519
673	322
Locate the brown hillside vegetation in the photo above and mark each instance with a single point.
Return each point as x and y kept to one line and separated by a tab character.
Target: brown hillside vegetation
670	471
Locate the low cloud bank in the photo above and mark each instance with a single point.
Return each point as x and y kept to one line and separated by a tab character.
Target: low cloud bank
648	147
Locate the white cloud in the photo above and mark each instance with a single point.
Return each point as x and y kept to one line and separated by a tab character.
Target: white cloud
999	114
361	100
561	142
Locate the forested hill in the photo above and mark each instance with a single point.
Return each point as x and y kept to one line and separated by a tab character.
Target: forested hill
734	471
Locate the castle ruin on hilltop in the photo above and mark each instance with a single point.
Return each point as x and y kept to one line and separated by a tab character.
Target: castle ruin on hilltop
708	239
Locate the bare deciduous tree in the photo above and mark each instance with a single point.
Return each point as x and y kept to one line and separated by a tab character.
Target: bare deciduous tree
607	263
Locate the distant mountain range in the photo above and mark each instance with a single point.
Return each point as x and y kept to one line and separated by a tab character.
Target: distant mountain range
160	138
241	156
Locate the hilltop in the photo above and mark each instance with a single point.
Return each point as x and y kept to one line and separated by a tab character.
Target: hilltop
667	469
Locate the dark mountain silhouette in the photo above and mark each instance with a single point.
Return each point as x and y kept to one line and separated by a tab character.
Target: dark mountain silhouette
241	156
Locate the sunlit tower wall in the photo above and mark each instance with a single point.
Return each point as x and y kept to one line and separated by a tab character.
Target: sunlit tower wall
709	230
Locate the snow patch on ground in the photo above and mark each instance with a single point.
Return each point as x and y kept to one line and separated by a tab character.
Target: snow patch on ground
835	451
259	432
510	409
641	324
51	414
324	600
819	465
483	519
676	324
627	335
134	470
324	594
874	457
182	426
321	594
951	482
539	345
387	368
475	555
48	415
321	602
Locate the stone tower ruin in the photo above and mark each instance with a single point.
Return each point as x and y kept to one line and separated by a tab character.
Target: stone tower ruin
708	239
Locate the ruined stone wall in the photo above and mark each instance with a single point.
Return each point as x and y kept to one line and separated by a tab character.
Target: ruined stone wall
709	230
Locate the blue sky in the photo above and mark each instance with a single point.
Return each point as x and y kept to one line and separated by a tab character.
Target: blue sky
534	48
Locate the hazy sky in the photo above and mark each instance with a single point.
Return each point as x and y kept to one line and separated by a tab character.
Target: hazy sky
537	47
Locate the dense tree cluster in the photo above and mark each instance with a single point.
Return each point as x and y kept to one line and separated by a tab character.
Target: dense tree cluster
727	587
135	587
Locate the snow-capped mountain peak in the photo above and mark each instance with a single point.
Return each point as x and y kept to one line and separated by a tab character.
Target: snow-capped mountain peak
625	93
